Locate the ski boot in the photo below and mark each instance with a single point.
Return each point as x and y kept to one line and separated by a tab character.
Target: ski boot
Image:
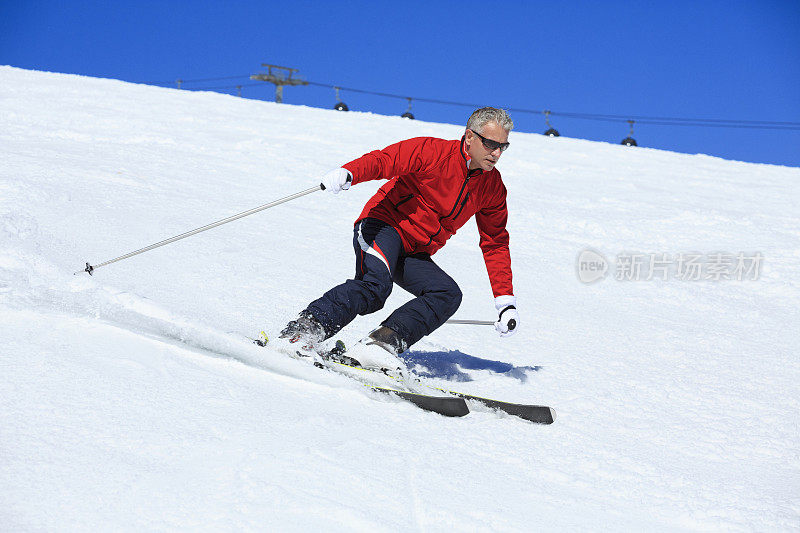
379	351
303	336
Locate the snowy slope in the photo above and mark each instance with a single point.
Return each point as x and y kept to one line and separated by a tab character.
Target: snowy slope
127	400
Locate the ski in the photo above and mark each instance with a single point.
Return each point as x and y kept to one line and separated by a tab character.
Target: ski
539	414
454	404
445	405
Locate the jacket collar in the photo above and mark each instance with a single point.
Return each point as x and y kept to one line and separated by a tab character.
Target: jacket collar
467	160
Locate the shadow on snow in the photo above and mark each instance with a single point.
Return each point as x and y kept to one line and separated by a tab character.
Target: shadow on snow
449	365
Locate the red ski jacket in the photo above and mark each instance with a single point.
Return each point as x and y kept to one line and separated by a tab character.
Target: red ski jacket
431	193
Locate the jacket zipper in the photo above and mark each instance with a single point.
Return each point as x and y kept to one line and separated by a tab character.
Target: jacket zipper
459	196
430	240
403	200
462	206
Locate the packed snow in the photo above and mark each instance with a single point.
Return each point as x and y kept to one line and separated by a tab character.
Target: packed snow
130	401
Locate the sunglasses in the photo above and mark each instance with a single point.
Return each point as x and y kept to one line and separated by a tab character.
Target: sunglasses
491	145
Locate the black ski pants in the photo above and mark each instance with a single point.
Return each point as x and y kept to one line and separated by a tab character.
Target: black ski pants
381	262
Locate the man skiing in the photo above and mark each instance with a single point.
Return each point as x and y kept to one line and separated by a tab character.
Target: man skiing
435	186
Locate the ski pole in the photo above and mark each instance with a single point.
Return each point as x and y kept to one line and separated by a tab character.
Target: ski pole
90	268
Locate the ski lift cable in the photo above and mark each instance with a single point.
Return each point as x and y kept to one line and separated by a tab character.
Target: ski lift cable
641	119
198	80
221	87
644	119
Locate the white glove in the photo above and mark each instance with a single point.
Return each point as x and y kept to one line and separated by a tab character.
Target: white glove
336	180
508	323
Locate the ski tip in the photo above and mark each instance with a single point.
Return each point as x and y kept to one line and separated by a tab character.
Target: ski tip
553	414
262	339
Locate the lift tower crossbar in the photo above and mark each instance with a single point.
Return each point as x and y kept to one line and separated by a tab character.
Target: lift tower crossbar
280	76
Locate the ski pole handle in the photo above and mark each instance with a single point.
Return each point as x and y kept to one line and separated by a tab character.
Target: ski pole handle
348	180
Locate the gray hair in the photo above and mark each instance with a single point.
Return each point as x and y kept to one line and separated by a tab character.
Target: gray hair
480	117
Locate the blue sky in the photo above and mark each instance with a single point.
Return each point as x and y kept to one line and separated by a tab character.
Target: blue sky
710	60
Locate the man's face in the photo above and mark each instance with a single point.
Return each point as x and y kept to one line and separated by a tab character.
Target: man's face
481	157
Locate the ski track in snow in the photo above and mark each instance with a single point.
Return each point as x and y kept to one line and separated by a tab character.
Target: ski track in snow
131	399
